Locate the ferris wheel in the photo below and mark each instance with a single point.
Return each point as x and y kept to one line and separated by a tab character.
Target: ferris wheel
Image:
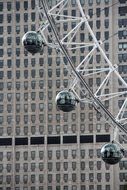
79	89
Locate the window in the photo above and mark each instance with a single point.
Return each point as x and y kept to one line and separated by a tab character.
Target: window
33	17
91	165
18	40
9	52
58	129
25	119
82	165
33	155
25	96
9	108
65	153
1	18
1	6
17	179
99	187
1	97
107	176
33	118
26	85
17	5
57	84
98	165
33	73
17	29
82	2
2	52
8	179
41	166
65	177
41	95
17	17
25	17
82	177
58	72
33	95
50	166
98	35
8	167
41	118
73	165
57	61
65	26
58	166
1	74
73	128
1	41
99	177
73	12
91	177
49	95
106	46
73	116
25	167
1	29
74	154
33	28
41	155
65	128
18	74
74	177
58	178
98	24
106	35
98	12
65	72
106	11
106	23
26	107
41	178
50	154
50	106
9	18
65	83
25	178
41	84
25	30
25	5
82	116
33	4
123	10
49	72
49	61
107	187
17	167
33	84
2	85
90	12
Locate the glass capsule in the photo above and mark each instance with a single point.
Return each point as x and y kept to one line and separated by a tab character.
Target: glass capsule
66	101
111	153
33	42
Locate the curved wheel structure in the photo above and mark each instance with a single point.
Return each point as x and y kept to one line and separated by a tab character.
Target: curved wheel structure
51	17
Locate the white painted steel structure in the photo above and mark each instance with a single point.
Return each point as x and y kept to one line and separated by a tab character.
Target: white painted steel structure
53	16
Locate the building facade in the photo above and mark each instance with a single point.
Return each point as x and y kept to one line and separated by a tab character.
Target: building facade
40	146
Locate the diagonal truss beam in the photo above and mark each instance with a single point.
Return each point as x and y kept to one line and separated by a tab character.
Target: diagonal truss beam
77	74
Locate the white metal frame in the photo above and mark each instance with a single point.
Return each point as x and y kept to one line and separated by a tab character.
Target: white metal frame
82	69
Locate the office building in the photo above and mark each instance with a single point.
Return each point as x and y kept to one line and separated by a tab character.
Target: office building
42	148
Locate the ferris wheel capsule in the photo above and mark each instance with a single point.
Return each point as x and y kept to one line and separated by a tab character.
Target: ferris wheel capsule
111	153
66	101
33	42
